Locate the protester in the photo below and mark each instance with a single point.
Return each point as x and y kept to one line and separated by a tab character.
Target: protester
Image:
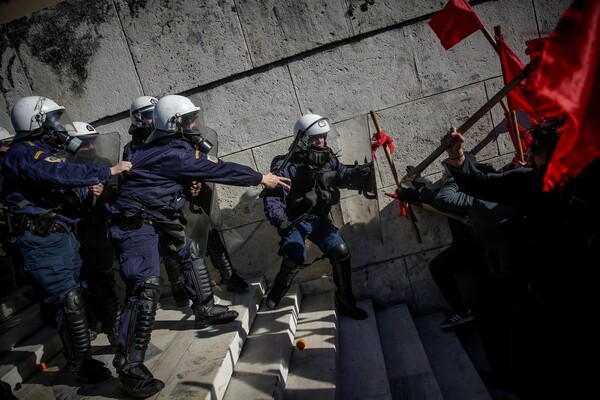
558	263
301	213
149	201
43	194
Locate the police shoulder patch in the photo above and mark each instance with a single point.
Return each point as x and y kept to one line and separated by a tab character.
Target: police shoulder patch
52	159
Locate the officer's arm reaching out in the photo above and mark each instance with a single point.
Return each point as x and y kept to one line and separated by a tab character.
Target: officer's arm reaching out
271	181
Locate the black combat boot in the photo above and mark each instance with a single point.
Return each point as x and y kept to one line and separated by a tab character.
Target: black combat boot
220	259
176	281
206	311
135	379
282	282
340	260
75	335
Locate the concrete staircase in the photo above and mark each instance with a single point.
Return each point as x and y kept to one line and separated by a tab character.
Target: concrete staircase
389	355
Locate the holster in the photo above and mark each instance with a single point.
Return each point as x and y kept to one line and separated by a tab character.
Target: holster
43	224
127	221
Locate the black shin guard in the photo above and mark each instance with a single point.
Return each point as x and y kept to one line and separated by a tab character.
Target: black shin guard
176	281
75	335
282	282
134	377
206	311
340	260
220	259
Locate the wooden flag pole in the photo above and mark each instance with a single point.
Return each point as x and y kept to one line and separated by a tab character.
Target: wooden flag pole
430	208
410	213
471	121
511	114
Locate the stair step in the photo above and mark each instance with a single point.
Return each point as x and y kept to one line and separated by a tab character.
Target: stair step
193	363
19	326
313	370
262	368
363	373
456	376
18	365
409	373
200	366
16	301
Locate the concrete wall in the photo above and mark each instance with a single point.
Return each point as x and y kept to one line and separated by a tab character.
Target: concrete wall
255	66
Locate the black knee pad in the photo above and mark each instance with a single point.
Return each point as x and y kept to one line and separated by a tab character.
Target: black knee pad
340	252
151	288
73	301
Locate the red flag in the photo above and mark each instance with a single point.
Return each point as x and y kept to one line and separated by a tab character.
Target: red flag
512	66
454	22
567	82
534	48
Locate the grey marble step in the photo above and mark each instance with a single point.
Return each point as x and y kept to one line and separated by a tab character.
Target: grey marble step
456	376
193	363
18	299
409	373
19	327
313	370
363	373
262	368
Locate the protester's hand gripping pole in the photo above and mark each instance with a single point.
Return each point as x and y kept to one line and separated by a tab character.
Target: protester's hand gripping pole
409	211
470	122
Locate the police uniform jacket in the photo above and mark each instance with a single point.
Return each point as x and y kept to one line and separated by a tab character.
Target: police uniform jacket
36	181
162	171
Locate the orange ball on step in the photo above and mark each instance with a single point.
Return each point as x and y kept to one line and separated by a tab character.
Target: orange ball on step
301	344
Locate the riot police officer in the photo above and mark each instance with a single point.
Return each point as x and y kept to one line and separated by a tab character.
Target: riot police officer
141	126
43	193
301	213
149	202
97	252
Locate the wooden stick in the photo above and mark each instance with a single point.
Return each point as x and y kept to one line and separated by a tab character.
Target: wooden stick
511	115
410	213
432	209
470	122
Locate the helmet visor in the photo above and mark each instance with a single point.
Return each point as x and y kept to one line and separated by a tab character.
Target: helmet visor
59	121
143	118
188	123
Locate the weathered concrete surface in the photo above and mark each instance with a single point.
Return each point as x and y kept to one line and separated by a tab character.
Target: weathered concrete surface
255	67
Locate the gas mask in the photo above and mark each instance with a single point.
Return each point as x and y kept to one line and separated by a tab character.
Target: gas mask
204	145
61	140
317	156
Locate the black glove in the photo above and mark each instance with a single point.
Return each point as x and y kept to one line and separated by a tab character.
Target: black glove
408	195
283	227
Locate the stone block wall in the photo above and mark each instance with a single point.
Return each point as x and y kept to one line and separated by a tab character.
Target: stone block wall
254	66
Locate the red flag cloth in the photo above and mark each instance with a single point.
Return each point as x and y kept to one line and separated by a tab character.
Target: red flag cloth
402	208
455	22
567	82
379	139
534	47
511	67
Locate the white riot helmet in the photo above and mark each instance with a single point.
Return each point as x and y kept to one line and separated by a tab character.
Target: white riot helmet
173	114
30	115
83	129
5	137
310	125
141	111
